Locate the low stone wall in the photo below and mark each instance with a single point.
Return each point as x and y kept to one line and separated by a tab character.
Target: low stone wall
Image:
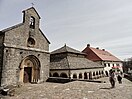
66	80
58	80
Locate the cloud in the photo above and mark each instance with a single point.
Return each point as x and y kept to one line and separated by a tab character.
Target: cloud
105	23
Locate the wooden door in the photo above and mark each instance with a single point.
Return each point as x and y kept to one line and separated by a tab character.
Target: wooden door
27	74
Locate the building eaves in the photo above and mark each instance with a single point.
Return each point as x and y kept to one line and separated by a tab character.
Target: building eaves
44	35
104	55
12	27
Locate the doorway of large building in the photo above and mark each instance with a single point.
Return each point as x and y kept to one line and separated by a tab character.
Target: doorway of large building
30	70
27	74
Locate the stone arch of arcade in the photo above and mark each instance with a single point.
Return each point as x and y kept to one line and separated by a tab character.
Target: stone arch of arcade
82	74
88	74
61	74
64	75
29	69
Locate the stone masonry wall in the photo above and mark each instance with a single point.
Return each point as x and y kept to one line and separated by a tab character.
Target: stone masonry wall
17	48
1	54
19	35
12	60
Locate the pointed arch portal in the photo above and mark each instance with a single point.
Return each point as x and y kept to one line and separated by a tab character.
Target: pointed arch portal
29	69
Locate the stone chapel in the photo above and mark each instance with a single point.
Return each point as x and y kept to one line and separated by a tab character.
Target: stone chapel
24	51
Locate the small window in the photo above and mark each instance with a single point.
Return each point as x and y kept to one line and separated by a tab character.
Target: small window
32	22
105	64
117	65
108	64
31	42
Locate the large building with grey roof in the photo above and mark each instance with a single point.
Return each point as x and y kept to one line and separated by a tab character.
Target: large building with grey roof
70	63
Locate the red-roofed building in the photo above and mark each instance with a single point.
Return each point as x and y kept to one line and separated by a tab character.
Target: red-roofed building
103	57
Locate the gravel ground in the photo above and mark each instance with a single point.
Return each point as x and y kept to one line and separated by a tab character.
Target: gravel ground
75	90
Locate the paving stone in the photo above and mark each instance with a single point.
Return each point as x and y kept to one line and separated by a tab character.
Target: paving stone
75	90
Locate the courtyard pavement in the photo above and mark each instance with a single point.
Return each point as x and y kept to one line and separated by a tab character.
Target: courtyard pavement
75	90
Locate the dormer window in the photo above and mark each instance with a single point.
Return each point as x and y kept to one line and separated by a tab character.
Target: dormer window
31	42
32	22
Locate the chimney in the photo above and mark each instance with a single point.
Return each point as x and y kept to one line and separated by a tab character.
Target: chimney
88	45
97	47
103	49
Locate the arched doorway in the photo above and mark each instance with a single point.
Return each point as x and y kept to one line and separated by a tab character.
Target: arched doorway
55	74
50	74
29	69
90	75
64	75
97	74
85	76
74	76
93	73
102	73
80	76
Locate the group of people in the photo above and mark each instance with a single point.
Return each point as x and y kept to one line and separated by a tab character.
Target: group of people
113	76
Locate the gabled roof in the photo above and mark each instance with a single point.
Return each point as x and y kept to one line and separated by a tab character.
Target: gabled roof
44	36
77	62
102	54
65	48
12	27
72	62
33	9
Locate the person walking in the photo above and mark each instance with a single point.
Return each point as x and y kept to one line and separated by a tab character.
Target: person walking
119	77
112	77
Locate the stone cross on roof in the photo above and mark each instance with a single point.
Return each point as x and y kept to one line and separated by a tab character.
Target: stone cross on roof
32	4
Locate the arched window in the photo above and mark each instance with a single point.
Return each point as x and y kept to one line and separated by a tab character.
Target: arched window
55	75
32	22
64	75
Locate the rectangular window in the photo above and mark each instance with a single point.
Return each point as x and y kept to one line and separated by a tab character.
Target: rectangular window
117	64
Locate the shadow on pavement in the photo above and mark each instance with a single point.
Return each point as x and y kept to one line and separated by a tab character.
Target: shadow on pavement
106	88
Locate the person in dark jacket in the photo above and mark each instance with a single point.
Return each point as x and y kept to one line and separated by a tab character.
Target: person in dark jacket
112	77
119	77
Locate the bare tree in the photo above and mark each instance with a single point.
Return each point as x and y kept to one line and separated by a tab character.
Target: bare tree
127	65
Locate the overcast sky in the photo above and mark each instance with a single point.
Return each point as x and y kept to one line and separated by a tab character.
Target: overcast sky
106	24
